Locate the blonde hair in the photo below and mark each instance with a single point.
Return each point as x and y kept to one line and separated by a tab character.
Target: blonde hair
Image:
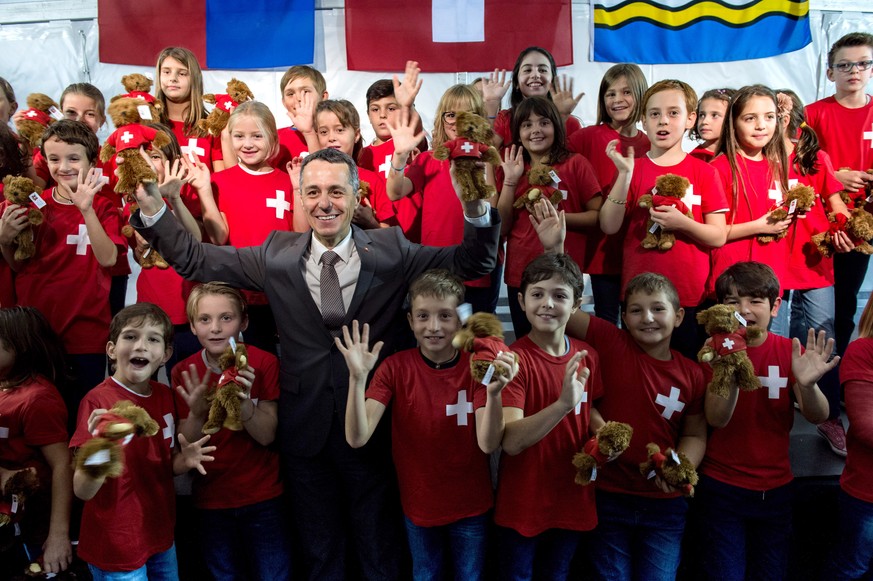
215	289
865	325
451	99
263	119
196	110
304	72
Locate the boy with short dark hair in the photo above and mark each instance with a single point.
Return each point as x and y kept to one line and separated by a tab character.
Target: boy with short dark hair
444	478
127	523
547	415
744	490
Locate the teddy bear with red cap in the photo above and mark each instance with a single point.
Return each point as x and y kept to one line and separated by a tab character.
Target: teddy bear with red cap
669	190
468	150
138	86
673	467
225	399
482	335
726	351
33	121
125	142
542	185
608	443
237	92
102	456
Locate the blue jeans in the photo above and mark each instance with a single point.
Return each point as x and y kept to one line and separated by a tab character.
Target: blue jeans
545	556
853	556
466	540
747	533
637	537
159	567
246	542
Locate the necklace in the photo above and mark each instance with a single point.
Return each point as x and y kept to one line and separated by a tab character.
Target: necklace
56	194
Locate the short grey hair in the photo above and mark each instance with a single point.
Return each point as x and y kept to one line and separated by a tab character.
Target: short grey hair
334	156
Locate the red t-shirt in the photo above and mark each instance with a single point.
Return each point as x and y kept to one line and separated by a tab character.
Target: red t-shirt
7	285
291	144
244	472
254	205
687	263
857	367
407	210
752	450
522	245
442	473
378	197
536	490
64	280
652	396
32	415
702	154
503	127
131	517
846	134
604	255
208	148
756	195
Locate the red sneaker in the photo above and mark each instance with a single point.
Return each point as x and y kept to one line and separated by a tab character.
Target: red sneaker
833	432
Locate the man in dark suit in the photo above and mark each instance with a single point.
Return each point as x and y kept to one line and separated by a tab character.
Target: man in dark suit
335	491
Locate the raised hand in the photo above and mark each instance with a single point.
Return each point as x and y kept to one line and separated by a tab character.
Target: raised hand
360	359
196	173
403	131
194	454
808	367
193	390
507	362
550	225
303	116
406	91
293	169
623	163
174	178
87	187
575	378
495	86
512	164
562	96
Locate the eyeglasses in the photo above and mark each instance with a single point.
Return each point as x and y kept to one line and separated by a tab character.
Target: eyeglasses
449	116
848	67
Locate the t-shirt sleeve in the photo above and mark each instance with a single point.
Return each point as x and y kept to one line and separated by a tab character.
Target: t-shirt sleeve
501	127
268	375
81	434
698	388
713	198
216	154
415	172
857	363
382	385
110	219
45	419
513	394
595	383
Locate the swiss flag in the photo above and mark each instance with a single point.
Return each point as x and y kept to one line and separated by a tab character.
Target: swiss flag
454	35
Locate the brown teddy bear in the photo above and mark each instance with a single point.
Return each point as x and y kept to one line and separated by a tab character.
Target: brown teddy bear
18	191
669	191
138	87
541	182
674	467
36	118
727	351
101	455
611	440
468	149
15	488
482	335
125	142
214	123
859	228
225	402
799	199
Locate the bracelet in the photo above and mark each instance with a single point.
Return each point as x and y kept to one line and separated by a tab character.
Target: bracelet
250	416
616	200
510	184
492	116
397	169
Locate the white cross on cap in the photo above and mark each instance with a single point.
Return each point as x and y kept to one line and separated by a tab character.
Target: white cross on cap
81	240
774	382
126	137
461	409
467	147
671	404
728	343
32	113
170	430
386	166
280	204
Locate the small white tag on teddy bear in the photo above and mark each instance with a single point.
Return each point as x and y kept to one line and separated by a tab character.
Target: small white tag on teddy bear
17	530
564	194
675	456
651	474
488	375
654	228
98	458
127	440
593	473
56	113
145	112
232	343
14	507
741	319
555	178
792	207
464	311
37	200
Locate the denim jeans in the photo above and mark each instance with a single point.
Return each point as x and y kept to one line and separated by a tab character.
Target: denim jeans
465	539
747	533
637	537
545	556
159	567
853	556
246	542
606	289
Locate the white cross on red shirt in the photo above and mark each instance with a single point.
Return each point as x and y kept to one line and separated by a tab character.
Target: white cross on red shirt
578	409
691	199
192	147
280	204
461	409
386	166
774	382
869	135
81	240
671	404
170	430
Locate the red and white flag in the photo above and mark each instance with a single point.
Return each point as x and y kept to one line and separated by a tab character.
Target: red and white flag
447	36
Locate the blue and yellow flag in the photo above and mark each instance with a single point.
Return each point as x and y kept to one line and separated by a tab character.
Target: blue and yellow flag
697	31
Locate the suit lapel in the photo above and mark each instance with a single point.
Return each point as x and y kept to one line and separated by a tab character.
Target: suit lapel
363	244
297	265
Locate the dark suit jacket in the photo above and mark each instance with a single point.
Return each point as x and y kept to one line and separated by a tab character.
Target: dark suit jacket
313	375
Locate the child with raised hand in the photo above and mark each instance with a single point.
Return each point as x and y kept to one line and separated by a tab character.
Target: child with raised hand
754	172
619	110
33	420
853	553
538	125
339	127
79	240
744	492
180	91
442	216
547	416
239	500
444	478
710	120
669	110
302	88
641	521
15	160
534	75
127	523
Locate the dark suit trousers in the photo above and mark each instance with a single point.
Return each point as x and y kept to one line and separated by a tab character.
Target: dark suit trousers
344	499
